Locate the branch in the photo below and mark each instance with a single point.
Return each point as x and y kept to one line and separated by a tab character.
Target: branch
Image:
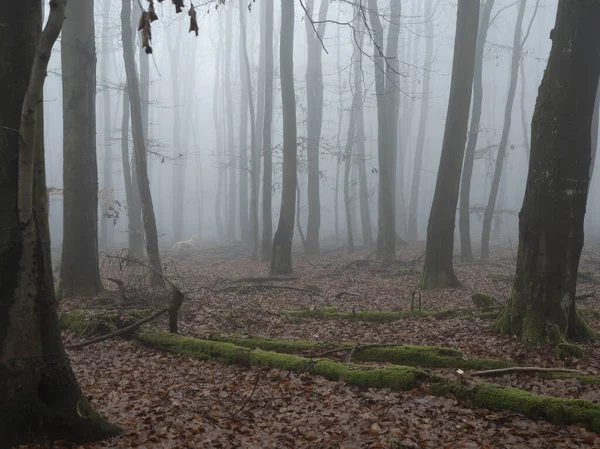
524	369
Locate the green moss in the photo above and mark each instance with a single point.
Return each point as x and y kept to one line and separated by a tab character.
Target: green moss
432	279
483	300
569	350
555	410
75	321
422	356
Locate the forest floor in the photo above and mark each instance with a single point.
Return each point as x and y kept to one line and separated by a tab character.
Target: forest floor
165	400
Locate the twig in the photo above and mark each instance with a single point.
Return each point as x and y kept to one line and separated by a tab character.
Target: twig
346	293
249	397
252	280
524	369
258	286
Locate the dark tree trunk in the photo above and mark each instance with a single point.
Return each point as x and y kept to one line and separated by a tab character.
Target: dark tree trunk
79	270
139	145
412	232
314	120
281	261
502	147
541	307
41	400
439	270
464	218
267	223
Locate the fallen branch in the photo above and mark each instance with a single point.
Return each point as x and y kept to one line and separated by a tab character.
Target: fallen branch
257	286
253	280
523	369
585	296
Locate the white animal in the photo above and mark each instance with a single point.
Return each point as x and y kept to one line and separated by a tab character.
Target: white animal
185	247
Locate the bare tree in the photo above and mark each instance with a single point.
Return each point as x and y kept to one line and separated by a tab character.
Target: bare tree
281	260
231	163
79	270
439	270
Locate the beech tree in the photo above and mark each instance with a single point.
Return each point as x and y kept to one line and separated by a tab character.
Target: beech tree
41	399
79	269
464	218
439	270
281	260
541	307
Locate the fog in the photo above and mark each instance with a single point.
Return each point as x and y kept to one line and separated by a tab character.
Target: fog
183	144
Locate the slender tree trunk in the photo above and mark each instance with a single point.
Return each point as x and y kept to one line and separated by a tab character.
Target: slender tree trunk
524	116
281	261
595	125
439	269
541	307
502	147
464	222
387	91
314	120
246	93
267	222
41	399
79	271
363	187
106	226
412	232
347	167
233	166
218	122
139	146
336	205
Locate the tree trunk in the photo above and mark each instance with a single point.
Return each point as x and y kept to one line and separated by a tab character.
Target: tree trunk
363	187
347	166
79	270
386	85
41	400
218	121
106	225
502	147
246	93
541	307
412	232
139	146
524	117
231	162
438	270
267	222
281	260
595	125
336	205
314	120
464	219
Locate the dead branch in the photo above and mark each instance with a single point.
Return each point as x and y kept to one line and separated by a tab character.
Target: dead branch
257	280
249	397
585	296
120	332
524	369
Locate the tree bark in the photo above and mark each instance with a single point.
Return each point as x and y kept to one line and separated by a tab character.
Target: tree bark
502	147
231	162
267	222
79	270
106	226
246	94
541	307
41	399
464	218
139	146
281	260
218	121
412	232
438	270
314	120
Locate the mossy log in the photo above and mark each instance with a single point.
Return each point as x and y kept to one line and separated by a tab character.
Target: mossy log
420	356
399	378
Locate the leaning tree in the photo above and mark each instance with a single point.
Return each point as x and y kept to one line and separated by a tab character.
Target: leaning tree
541	307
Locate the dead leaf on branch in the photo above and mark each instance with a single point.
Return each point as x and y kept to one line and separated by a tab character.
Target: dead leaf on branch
193	21
144	27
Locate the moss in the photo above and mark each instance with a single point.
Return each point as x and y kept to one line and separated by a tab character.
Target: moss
422	356
80	322
555	410
483	300
569	350
331	313
432	279
75	321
